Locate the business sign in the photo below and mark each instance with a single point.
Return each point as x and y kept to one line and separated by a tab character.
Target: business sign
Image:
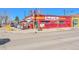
63	18
51	18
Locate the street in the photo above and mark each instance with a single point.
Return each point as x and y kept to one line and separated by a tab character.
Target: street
52	40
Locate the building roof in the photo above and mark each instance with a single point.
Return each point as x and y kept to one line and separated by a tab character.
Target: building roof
47	15
75	15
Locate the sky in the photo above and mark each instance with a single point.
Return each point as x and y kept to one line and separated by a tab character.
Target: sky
21	12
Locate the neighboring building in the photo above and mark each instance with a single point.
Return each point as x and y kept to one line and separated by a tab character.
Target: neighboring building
75	21
23	24
4	20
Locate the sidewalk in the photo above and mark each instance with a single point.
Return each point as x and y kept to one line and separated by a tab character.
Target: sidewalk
36	30
44	30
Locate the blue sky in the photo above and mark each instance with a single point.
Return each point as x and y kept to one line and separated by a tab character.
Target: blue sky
21	12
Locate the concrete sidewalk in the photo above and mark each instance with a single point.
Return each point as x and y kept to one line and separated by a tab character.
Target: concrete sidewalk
36	30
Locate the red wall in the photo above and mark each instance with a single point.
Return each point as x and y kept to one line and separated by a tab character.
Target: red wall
56	23
67	21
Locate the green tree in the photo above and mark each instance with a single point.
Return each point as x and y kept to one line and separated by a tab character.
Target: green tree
0	21
6	19
17	19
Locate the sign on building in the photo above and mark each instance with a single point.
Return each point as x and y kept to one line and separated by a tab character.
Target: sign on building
51	18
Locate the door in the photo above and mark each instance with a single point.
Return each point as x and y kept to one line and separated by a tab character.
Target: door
75	23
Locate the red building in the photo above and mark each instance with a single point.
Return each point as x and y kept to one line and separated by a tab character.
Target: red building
49	21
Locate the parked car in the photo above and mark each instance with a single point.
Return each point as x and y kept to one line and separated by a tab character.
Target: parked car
4	41
0	25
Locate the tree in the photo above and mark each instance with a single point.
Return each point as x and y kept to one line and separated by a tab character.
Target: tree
17	19
6	19
0	22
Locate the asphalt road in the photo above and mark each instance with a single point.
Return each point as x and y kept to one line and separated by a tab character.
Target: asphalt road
61	40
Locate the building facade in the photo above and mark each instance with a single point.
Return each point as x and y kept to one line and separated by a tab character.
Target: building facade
75	21
49	21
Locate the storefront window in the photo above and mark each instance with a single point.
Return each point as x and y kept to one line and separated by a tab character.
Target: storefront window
45	22
75	20
31	22
61	22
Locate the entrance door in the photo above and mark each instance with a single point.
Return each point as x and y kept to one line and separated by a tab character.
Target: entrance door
75	23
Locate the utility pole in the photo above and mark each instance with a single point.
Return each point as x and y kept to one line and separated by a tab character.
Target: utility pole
24	13
34	18
64	12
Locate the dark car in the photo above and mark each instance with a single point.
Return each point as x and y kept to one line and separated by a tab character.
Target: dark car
0	25
4	41
12	25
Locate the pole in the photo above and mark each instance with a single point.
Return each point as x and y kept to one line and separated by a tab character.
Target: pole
64	12
24	13
33	17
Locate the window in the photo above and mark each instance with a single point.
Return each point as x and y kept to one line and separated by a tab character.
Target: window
31	22
75	20
45	22
61	22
